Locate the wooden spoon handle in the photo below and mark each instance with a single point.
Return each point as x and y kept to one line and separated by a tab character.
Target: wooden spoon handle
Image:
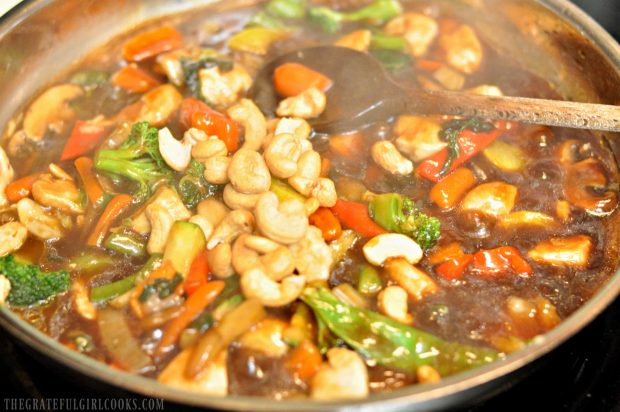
521	109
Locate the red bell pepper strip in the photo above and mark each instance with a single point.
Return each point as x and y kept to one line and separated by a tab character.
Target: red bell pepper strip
495	262
133	79
355	216
455	267
84	138
471	143
198	273
194	113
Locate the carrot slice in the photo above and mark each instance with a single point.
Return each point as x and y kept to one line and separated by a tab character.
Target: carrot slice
134	79
151	43
325	220
113	210
94	191
448	191
305	360
193	306
291	79
20	188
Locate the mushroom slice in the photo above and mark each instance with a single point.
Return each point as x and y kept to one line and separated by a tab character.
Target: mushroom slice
344	377
571	251
494	198
213	380
586	186
50	110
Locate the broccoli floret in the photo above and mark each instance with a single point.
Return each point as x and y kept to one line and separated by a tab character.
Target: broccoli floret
377	12
193	187
424	229
400	214
137	159
29	284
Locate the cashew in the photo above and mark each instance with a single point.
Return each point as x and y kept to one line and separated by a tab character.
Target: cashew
417	29
261	244
311	103
311	205
243	257
463	49
224	88
392	302
193	136
212	381
216	169
13	235
220	260
81	302
417	283
308	172
391	245
493	198
313	257
486	90
233	225
278	264
571	251
248	172
266	337
344	377
325	192
161	223
418	137
238	200
386	155
176	154
284	222
59	173
282	154
358	40
213	210
211	146
256	283
203	223
6	176
250	117
169	200
5	289
159	104
38	221
51	110
60	194
295	126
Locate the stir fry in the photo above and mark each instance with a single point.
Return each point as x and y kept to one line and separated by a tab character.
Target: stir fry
154	218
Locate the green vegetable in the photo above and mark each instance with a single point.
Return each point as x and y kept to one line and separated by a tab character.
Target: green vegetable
370	282
392	60
120	287
325	338
184	243
390	343
284	191
90	79
226	306
207	59
378	12
193	187
125	244
160	287
29	284
301	326
266	20
383	41
399	214
288	9
224	302
137	159
91	262
451	131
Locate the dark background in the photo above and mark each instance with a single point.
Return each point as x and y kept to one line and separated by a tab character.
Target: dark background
583	375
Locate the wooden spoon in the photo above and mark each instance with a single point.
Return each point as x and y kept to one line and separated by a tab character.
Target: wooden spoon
363	93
